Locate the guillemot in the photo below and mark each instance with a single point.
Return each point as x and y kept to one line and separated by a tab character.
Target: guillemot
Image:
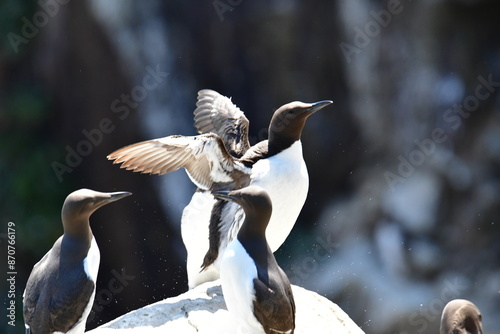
221	158
61	287
256	290
461	316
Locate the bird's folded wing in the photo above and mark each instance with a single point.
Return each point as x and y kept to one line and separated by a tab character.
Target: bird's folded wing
29	305
218	114
33	289
67	307
204	158
275	311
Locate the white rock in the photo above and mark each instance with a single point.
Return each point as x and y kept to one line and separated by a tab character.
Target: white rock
202	310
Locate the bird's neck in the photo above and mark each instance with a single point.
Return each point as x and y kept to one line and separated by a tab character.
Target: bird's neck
79	229
257	247
74	247
283	136
279	144
252	236
247	233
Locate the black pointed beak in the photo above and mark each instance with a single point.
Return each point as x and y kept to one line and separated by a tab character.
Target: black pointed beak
115	196
318	105
223	195
106	198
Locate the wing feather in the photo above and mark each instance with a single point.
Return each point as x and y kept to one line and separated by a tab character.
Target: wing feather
218	114
204	157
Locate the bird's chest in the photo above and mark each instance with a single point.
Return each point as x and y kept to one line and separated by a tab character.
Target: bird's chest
238	272
284	176
279	177
91	262
283	172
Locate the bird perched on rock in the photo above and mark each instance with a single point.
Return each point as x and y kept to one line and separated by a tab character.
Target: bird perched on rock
460	316
221	158
256	290
61	287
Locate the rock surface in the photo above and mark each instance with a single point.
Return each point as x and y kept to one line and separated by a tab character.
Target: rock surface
202	310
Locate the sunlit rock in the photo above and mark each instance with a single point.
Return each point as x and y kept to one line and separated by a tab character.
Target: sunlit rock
202	310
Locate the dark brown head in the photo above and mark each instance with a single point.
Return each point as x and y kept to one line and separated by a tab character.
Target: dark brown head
80	204
460	316
256	203
289	120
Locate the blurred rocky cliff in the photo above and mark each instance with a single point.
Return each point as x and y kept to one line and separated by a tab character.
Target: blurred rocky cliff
403	206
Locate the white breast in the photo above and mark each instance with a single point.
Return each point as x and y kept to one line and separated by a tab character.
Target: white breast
194	228
91	262
284	176
238	271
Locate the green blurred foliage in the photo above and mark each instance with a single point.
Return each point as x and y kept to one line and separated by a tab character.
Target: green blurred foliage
11	13
30	194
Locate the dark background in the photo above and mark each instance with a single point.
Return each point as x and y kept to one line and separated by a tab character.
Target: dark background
403	206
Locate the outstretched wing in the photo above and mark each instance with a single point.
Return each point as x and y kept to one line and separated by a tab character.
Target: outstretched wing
218	114
204	157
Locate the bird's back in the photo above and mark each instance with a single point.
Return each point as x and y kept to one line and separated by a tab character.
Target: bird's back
35	309
56	294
